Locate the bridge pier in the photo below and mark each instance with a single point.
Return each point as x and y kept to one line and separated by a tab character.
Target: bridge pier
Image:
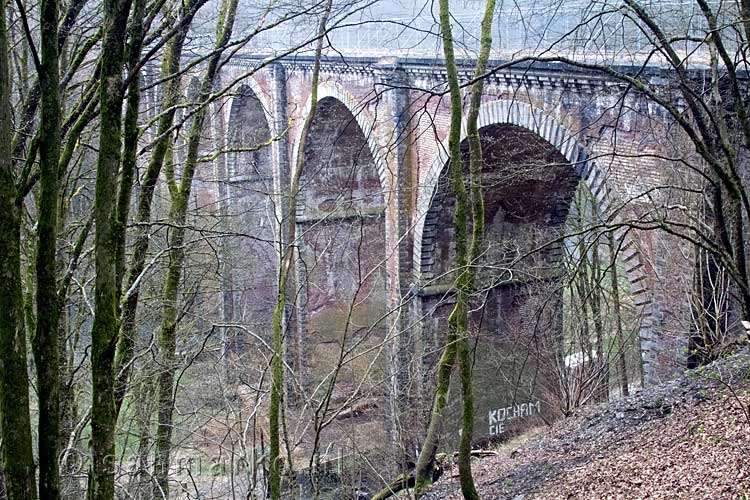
293	327
219	131
392	89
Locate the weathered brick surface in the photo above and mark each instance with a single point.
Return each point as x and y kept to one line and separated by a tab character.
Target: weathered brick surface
401	109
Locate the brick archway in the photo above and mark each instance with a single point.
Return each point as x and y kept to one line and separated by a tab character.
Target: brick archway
247	189
362	116
551	130
341	242
250	86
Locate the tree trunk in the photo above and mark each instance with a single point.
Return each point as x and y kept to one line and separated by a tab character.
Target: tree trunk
426	460
139	483
45	344
285	267
15	422
466	254
171	94
177	218
130	143
476	161
105	327
32	98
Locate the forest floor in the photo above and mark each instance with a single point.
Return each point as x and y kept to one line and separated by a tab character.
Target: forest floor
685	439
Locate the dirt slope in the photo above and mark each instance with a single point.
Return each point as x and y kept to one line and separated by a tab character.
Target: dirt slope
687	439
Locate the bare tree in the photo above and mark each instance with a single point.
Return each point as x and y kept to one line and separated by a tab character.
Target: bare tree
18	460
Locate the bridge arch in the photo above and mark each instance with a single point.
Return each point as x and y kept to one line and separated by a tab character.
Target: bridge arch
248	190
249	127
530	122
250	86
364	119
341	207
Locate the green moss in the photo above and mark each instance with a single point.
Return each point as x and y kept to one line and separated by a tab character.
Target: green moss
327	328
458	340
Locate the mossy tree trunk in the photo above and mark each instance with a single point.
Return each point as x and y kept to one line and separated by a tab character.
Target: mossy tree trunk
167	340
130	142
32	98
46	321
171	94
476	162
45	341
467	252
285	268
105	327
15	422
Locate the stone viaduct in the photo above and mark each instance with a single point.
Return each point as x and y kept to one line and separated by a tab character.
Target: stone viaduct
375	207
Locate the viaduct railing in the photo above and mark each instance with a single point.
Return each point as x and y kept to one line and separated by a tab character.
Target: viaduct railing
595	31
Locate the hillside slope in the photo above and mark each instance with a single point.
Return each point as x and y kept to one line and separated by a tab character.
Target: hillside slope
686	439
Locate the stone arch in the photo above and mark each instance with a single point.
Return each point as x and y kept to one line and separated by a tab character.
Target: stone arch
249	126
341	247
551	130
251	85
362	116
248	190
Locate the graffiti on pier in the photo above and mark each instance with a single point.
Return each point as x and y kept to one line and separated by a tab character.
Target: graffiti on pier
498	418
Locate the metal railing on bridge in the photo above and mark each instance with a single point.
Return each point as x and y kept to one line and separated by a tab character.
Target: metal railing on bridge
595	30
